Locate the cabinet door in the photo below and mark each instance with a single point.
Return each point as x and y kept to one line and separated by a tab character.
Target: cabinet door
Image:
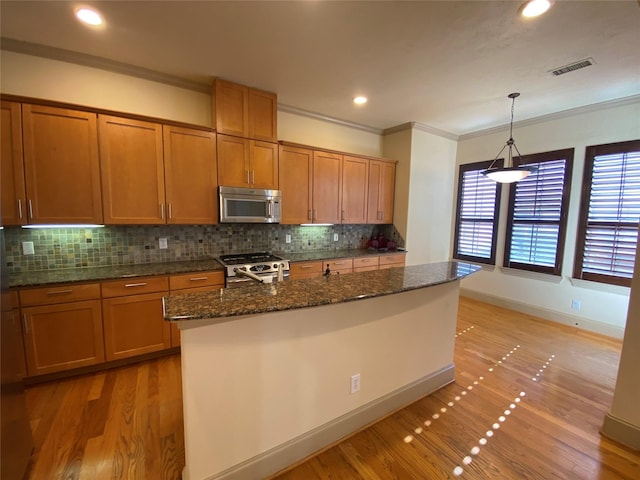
63	336
61	163
233	161
355	178
230	108
190	176
382	179
132	171
135	325
263	115
263	163
12	174
295	184
327	187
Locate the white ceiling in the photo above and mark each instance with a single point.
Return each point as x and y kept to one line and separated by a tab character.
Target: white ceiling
446	64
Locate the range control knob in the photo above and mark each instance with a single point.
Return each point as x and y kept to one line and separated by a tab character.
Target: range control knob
275	265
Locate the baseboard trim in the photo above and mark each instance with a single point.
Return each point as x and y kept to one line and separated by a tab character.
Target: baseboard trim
622	432
278	458
547	314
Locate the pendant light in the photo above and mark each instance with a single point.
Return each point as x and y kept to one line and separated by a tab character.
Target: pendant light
509	173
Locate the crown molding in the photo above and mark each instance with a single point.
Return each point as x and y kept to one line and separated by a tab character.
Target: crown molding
325	118
421	127
53	53
618	102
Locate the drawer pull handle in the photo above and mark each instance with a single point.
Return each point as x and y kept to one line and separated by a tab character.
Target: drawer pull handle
306	266
129	285
59	292
338	263
198	279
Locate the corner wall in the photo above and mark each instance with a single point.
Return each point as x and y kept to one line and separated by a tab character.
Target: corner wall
603	307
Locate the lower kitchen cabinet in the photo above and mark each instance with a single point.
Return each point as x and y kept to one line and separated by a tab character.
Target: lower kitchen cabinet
339	265
365	264
391	261
305	270
192	283
62	336
134	324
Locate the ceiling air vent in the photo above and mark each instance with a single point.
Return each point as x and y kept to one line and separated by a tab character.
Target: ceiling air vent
587	62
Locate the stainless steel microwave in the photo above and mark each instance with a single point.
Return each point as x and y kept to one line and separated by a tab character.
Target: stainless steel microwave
249	205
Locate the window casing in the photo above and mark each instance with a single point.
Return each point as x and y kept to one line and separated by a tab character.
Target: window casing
538	207
609	214
477	212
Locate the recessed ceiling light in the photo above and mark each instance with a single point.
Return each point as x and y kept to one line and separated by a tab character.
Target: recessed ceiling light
533	8
89	16
360	100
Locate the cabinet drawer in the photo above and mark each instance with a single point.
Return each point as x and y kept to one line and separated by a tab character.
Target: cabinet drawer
368	268
59	294
395	259
305	268
340	264
134	286
198	279
365	262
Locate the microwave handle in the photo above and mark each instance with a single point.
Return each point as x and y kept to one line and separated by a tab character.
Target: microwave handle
269	208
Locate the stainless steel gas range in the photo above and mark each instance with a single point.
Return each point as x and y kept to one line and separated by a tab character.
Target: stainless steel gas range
242	269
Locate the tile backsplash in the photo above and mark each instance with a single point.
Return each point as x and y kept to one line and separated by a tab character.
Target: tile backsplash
57	248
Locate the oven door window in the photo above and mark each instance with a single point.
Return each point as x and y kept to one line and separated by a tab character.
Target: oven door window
245	208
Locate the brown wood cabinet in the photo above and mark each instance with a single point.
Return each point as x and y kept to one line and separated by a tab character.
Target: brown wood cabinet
364	264
355	186
131	161
190	173
12	174
245	112
392	260
299	270
192	283
382	178
61	165
295	184
327	187
133	319
339	265
247	163
61	333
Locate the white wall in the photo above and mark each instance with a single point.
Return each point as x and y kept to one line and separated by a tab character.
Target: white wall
38	77
424	188
603	307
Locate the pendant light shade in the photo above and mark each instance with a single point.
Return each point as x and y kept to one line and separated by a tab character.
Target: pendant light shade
510	173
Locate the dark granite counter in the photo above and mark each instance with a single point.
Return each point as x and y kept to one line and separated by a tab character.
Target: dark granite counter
330	254
313	291
67	275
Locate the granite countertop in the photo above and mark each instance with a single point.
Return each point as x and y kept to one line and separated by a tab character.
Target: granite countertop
291	294
311	256
67	275
89	274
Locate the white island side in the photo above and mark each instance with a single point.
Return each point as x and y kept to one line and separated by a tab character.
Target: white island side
262	391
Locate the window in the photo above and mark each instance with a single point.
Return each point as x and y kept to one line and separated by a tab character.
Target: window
609	214
538	206
476	214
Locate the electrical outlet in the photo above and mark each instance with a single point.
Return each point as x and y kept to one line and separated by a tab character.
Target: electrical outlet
355	383
163	243
27	248
287	238
575	304
335	237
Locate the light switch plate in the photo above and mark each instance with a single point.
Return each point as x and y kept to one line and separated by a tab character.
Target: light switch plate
287	238
163	243
27	248
335	237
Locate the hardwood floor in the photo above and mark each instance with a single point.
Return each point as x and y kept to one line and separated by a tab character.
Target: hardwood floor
494	421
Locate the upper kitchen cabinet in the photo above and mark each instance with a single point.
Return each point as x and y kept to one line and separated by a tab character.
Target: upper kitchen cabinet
355	185
382	179
190	176
245	112
13	190
295	184
247	163
311	185
61	165
326	187
131	161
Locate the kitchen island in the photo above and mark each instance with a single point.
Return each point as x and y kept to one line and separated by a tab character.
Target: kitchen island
273	373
